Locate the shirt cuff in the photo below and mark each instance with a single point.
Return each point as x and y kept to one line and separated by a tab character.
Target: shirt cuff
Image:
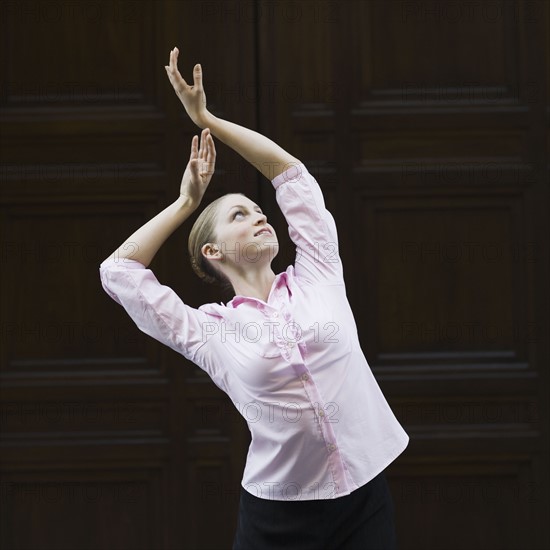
293	173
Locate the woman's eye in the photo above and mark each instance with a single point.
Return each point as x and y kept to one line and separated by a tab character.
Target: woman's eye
241	212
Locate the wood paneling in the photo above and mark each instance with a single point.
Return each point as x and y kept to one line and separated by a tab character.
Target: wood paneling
434	139
107	507
427	125
101	425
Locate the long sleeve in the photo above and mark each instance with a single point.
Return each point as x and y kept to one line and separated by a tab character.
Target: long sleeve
310	225
156	309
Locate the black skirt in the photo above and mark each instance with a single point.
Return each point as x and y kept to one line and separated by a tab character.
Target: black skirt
362	520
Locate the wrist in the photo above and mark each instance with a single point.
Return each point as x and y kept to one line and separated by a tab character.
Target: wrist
184	202
204	119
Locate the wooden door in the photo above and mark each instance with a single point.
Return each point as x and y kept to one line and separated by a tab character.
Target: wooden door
426	124
109	439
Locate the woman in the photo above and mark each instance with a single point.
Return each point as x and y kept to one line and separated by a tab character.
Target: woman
285	348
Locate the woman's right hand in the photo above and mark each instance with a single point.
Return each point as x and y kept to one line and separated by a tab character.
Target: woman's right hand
200	168
192	97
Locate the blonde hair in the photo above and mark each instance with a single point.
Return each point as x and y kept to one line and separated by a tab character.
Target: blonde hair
202	232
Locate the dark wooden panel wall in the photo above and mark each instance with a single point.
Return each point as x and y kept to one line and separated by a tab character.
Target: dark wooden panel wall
426	124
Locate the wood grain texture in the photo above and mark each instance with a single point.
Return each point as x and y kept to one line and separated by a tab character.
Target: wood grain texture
427	125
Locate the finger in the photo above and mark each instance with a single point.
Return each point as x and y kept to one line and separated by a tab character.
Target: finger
204	144
172	69
211	149
194	147
201	146
208	155
197	76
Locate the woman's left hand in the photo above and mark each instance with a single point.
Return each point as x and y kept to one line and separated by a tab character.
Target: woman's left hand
200	168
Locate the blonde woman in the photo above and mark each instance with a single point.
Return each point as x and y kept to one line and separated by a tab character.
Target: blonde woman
285	348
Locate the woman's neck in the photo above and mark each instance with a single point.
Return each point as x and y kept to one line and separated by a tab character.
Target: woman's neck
256	284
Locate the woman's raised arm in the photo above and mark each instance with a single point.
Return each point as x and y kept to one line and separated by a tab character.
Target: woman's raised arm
265	155
144	243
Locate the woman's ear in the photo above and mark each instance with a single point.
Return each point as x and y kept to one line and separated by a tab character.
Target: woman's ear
210	250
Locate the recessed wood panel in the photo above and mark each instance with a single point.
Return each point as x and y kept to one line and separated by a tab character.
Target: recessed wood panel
407	52
114	510
39	421
55	253
458	286
445	175
435	495
405	145
103	52
122	148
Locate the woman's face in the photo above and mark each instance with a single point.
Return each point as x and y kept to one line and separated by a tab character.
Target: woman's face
244	236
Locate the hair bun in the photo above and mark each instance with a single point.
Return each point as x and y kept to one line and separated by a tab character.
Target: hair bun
200	272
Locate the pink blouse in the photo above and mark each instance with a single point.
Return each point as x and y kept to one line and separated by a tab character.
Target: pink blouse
292	366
